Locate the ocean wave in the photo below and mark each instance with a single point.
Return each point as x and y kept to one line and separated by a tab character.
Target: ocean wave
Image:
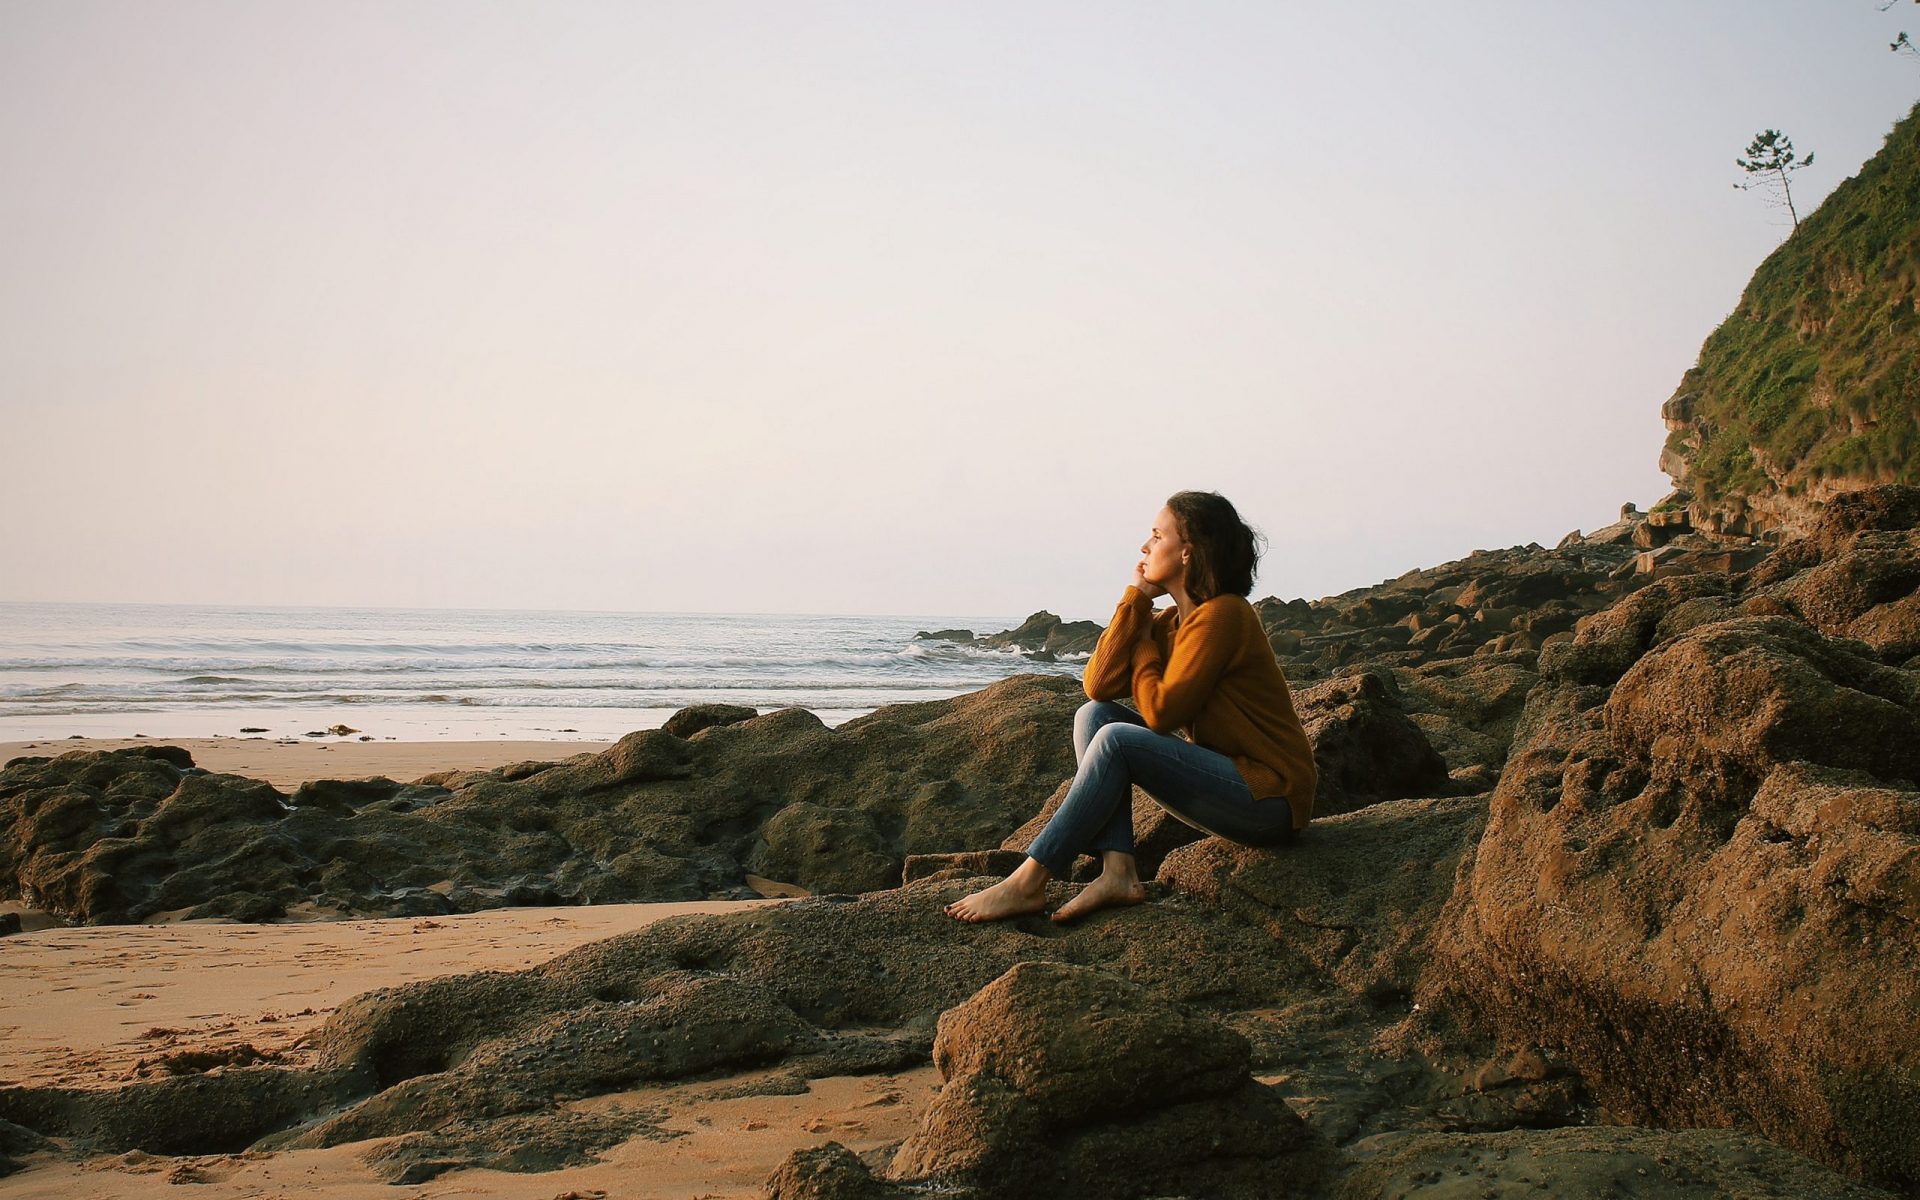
423	661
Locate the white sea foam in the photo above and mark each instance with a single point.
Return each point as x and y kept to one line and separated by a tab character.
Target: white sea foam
119	668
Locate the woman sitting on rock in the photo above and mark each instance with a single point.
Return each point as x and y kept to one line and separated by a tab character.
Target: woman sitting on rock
1204	665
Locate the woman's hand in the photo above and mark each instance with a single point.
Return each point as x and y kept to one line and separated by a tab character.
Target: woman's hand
1149	590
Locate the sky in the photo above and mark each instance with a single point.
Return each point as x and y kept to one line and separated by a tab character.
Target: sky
864	308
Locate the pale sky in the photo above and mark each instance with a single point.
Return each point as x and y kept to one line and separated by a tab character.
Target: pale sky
890	308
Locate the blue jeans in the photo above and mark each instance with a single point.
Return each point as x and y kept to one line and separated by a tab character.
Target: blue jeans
1116	750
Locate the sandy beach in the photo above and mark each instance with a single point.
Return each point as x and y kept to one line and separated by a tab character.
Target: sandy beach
100	1007
287	763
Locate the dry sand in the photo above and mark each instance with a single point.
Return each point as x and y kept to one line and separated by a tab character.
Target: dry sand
85	1007
287	763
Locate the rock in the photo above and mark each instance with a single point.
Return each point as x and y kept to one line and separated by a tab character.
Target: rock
9	924
1366	747
15	1139
1355	901
1467	707
1868	589
825	1172
1065	1081
964	865
824	850
1589	1164
945	635
109	837
696	717
1044	631
1494	594
1699	885
341	730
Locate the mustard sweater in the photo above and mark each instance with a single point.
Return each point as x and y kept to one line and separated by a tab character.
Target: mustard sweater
1213	675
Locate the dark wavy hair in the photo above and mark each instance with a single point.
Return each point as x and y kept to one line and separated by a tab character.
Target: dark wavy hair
1226	550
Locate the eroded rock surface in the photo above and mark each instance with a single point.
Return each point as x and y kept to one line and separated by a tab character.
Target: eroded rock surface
1700	878
1067	1081
1594	1163
106	837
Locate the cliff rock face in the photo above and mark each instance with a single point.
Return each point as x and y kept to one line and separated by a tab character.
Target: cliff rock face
1700	875
1811	387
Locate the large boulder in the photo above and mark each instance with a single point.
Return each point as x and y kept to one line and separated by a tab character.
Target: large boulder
1701	875
1365	745
1066	1081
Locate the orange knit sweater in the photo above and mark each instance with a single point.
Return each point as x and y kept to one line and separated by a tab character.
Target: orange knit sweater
1213	675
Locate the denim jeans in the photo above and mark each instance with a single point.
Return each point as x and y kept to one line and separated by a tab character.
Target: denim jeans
1116	750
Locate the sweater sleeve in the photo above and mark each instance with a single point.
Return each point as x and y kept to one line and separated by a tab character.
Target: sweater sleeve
1110	671
1170	694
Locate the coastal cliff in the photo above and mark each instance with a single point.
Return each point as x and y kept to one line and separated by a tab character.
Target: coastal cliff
1811	387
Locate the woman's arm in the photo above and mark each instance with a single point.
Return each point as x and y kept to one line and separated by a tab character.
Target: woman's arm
1110	671
1169	695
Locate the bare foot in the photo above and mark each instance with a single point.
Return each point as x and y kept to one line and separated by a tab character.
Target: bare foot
1105	892
1004	899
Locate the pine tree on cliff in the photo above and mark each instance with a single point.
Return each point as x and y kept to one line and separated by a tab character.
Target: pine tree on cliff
1769	158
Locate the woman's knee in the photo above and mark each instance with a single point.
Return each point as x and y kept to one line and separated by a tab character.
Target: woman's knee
1090	718
1116	737
1099	743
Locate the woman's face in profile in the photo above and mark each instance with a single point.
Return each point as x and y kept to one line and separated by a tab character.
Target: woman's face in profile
1166	554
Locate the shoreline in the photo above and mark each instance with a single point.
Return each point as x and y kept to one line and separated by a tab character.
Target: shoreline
287	763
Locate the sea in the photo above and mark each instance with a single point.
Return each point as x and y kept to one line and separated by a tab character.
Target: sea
163	670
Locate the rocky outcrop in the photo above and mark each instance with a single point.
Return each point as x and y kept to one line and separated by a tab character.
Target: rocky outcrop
464	1068
1047	635
1689	901
104	837
1700	872
1490	602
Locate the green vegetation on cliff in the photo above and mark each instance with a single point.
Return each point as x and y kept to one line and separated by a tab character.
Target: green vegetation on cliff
1815	376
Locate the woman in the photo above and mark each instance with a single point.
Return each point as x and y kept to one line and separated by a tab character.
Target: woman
1203	665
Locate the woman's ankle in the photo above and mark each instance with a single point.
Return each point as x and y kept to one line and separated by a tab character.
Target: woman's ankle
1030	877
